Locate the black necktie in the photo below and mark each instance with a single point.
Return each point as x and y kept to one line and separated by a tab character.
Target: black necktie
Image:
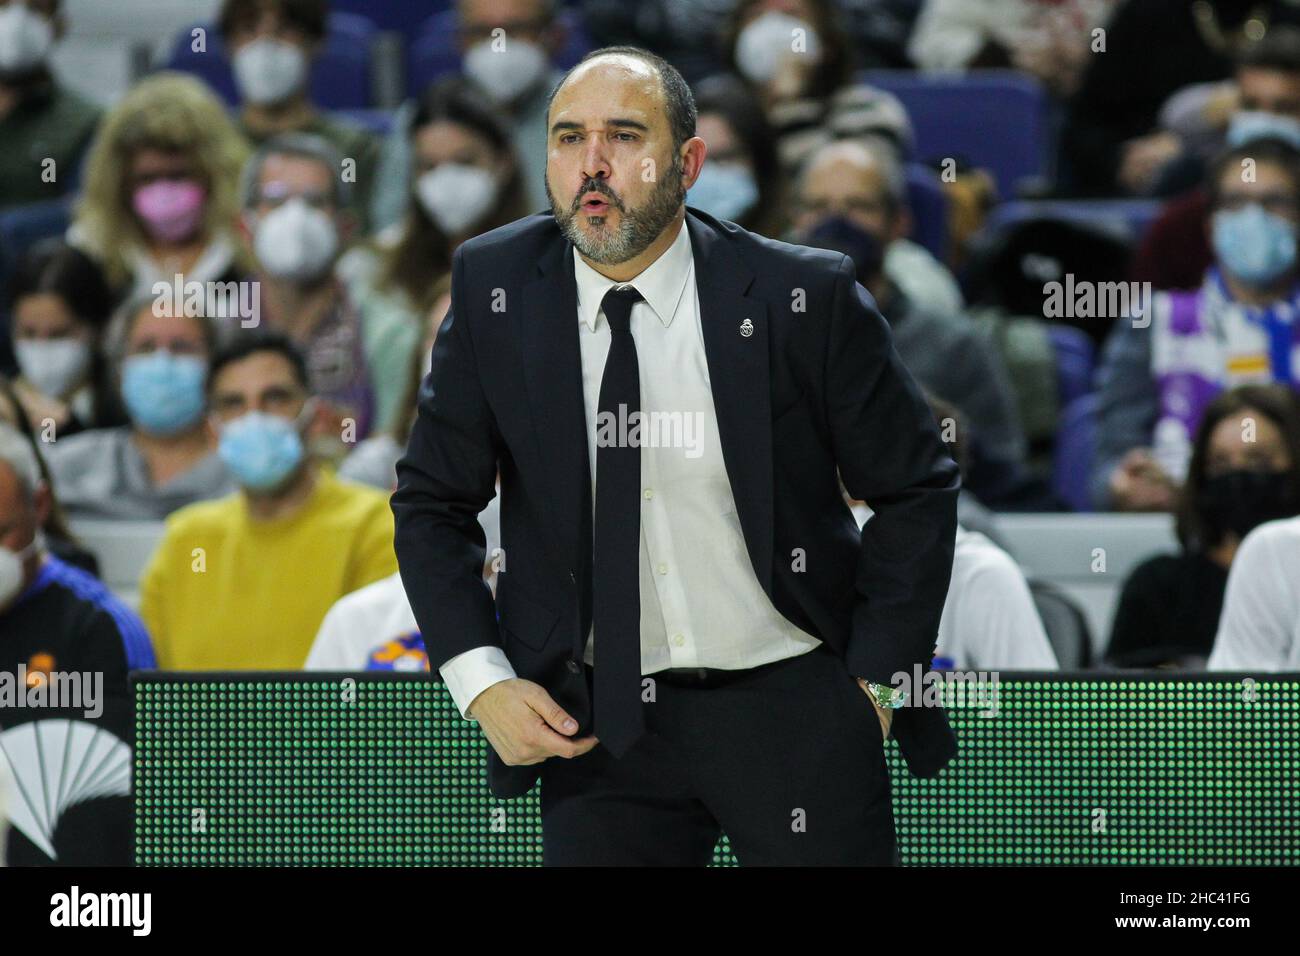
616	586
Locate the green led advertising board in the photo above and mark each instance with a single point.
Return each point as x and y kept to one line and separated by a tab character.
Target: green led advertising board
319	769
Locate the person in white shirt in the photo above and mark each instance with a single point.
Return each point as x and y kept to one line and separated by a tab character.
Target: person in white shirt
374	628
371	629
1259	628
989	620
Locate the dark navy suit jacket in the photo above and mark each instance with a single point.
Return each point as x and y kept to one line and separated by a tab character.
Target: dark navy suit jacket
814	390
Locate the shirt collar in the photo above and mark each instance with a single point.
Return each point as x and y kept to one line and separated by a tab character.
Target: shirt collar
661	283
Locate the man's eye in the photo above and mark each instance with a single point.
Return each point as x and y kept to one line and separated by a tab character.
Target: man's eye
568	137
630	136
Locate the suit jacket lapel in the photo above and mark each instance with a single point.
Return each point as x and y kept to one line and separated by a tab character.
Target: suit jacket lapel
736	333
546	323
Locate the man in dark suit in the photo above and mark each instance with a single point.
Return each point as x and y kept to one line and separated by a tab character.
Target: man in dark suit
687	616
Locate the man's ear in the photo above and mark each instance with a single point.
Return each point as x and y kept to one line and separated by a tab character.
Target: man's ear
692	154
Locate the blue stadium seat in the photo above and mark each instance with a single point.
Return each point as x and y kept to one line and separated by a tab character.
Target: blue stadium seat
929	206
1076	438
434	53
998	119
403	16
340	80
21	227
1130	217
1075	359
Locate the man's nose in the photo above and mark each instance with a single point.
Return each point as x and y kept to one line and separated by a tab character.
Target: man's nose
595	162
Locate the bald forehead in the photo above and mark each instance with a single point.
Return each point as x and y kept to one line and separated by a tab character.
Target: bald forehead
612	80
615	67
856	168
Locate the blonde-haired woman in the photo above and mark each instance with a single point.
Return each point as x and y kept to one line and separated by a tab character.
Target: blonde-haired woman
161	188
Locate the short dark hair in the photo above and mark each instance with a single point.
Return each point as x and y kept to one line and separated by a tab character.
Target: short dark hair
53	267
1277	403
453	99
245	345
1266	149
309	16
679	101
726	95
1278	50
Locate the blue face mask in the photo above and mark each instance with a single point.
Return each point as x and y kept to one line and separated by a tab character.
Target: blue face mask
1255	246
261	450
724	191
164	392
1246	126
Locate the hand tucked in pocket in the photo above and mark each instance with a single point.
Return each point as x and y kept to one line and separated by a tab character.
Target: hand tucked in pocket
886	716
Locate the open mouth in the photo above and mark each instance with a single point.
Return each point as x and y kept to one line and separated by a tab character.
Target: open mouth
594	204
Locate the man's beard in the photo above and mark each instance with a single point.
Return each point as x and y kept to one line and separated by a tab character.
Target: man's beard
637	228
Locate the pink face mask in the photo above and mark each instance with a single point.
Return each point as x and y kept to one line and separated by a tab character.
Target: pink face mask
170	209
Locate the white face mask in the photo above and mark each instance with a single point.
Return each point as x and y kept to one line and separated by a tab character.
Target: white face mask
25	39
269	71
769	39
11	570
54	366
296	242
456	195
506	73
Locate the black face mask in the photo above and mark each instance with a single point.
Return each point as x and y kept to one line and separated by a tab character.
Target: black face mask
840	234
1238	501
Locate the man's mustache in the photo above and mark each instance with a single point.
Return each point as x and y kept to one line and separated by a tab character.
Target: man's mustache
597	187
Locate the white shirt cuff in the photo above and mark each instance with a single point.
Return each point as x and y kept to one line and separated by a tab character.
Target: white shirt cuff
470	673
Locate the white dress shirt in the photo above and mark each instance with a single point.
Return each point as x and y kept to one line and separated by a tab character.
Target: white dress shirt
701	604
